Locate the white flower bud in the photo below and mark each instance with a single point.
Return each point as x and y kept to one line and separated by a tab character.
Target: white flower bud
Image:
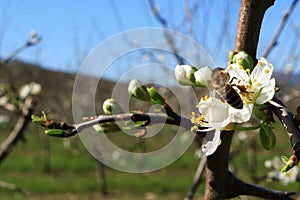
139	91
110	106
203	76
185	74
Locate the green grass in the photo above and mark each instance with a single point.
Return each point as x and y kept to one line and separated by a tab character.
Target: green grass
74	172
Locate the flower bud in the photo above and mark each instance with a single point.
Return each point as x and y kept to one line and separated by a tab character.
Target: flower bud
155	97
203	76
231	56
111	106
139	91
185	74
243	59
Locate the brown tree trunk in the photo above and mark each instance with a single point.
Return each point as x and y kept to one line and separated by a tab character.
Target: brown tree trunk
220	183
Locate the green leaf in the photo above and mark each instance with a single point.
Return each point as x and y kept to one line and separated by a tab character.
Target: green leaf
267	137
53	132
37	120
246	128
284	159
155	97
286	168
259	114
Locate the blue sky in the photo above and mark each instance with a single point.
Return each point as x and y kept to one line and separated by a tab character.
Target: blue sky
71	29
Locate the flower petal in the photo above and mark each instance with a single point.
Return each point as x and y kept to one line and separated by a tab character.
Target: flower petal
241	115
238	72
215	112
262	73
185	74
267	93
210	142
203	76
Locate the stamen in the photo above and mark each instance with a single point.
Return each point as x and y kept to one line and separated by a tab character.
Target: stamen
259	63
200	119
241	67
194	128
205	98
267	71
247	70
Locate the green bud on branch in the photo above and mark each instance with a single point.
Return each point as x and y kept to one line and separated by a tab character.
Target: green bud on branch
137	90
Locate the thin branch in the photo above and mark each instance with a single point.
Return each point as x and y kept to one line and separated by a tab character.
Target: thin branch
17	133
197	179
6	105
279	29
13	187
32	41
153	118
164	24
287	119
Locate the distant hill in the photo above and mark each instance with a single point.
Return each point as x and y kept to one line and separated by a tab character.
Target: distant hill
57	87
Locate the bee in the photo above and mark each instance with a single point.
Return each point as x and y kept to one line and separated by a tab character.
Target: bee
220	81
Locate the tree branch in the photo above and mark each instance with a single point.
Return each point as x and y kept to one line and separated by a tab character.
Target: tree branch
287	119
164	24
279	29
197	179
32	41
153	118
17	133
249	24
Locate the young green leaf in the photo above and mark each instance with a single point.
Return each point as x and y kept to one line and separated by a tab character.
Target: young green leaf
37	120
155	97
53	132
284	159
267	137
259	114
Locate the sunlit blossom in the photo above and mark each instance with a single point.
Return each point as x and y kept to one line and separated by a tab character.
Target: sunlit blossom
257	87
190	76
185	74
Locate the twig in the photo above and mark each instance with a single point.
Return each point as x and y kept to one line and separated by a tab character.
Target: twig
34	40
279	29
153	118
17	133
13	187
287	119
197	179
168	37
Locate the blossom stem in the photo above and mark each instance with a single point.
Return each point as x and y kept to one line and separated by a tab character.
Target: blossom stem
246	128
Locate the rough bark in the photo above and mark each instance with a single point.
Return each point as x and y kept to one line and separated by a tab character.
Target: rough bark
220	183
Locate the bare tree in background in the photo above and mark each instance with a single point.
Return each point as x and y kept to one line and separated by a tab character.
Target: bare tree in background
22	104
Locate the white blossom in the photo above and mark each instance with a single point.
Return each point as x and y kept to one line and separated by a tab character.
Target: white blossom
203	76
259	87
185	74
30	89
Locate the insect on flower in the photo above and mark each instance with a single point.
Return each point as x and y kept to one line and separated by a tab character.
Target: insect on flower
220	81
